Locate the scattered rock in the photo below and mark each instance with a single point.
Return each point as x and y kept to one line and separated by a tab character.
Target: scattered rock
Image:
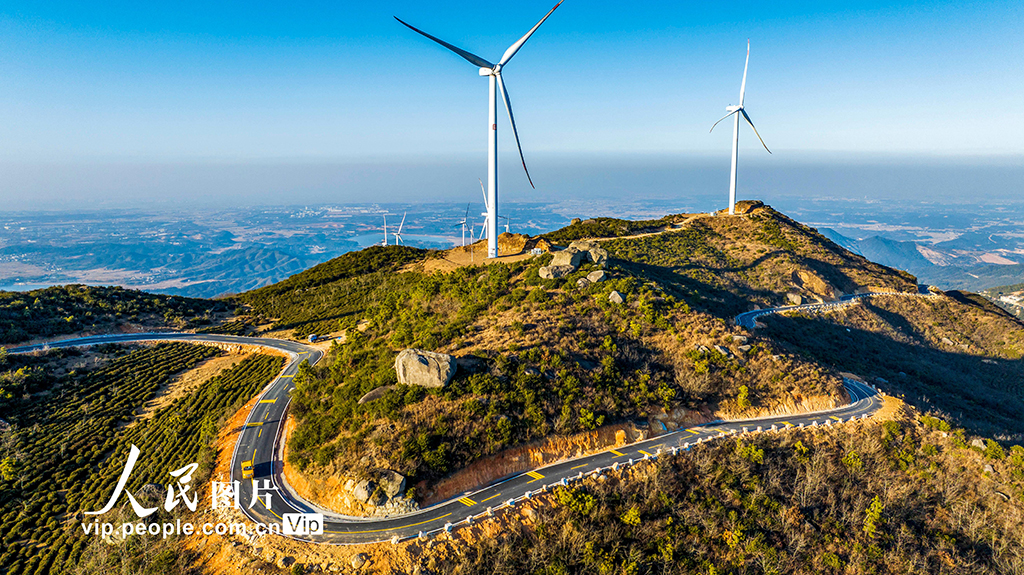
391	483
745	348
597	276
990	361
375	394
575	221
359	559
615	297
947	341
582	283
722	350
286	562
988	468
424	368
740	339
794	298
979	443
589	221
555	272
592	250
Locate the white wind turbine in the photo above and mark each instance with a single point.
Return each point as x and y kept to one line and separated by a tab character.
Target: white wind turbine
463	223
736	111
398	234
385	242
493	72
485	230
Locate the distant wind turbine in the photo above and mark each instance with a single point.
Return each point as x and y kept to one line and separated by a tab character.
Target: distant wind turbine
485	230
736	111
493	72
385	242
465	219
398	234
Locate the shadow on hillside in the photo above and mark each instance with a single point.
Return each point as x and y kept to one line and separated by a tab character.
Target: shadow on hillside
698	294
983	395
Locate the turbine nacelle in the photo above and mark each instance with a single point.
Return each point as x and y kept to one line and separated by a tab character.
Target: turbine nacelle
495	71
732	109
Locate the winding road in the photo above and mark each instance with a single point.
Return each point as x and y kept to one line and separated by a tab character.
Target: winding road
260	442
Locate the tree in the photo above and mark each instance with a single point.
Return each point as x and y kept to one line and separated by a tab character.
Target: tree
873	517
8	469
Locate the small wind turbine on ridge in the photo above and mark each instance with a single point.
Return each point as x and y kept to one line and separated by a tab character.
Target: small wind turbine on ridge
385	242
736	111
493	72
398	234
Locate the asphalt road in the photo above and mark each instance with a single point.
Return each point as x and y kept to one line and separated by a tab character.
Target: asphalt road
749	318
259	441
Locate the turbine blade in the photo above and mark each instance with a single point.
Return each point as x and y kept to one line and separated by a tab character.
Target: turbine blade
465	217
484	192
743	86
512	119
401	225
747	118
472	58
519	43
720	121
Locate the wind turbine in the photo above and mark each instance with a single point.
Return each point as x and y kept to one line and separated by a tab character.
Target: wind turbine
493	72
736	111
385	242
465	219
398	234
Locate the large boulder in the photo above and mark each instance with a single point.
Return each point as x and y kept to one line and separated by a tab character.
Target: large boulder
568	257
615	297
555	272
597	276
424	368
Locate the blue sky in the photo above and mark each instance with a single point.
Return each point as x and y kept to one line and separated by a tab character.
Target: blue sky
183	82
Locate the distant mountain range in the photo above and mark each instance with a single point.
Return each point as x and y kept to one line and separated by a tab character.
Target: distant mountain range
956	264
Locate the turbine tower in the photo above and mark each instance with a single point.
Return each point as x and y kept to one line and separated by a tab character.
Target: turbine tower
736	111
493	72
385	242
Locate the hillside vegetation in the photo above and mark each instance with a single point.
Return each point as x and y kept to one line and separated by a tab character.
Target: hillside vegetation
70	309
551	357
884	498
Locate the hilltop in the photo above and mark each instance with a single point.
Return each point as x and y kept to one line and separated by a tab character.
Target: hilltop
552	366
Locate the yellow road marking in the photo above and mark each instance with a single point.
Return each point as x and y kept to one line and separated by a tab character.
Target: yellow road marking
392	528
284	376
645	453
254	424
837	418
787	424
467	501
253	454
267	400
260	434
693	431
578	466
536	476
617	453
266	415
491	497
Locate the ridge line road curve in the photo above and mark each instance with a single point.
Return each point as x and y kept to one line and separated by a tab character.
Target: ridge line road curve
259	440
748	319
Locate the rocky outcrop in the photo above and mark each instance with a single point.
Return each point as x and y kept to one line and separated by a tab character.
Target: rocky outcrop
424	368
747	206
615	297
597	277
814	284
566	261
